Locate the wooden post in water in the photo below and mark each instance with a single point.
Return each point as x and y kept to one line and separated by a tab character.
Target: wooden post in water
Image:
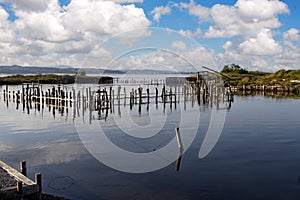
74	95
23	168
131	100
90	95
19	189
30	95
135	96
163	93
18	96
27	91
23	92
110	93
38	181
148	95
178	161
170	96
178	138
175	95
156	95
58	91
140	89
119	93
6	91
113	101
180	148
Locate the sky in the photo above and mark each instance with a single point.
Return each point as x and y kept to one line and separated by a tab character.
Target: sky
141	34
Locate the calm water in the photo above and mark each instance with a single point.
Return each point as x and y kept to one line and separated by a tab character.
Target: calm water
256	157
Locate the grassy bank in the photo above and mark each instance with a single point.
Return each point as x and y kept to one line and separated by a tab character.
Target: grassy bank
239	77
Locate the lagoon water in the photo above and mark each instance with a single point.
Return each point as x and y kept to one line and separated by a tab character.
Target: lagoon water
256	157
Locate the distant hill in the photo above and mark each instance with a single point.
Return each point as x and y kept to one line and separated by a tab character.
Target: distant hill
16	69
63	69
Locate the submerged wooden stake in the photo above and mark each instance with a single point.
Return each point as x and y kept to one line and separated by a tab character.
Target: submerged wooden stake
178	138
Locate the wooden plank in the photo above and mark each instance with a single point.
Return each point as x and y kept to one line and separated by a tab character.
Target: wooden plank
17	175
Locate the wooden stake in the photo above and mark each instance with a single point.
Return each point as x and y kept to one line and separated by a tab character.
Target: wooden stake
178	138
19	188
23	168
38	181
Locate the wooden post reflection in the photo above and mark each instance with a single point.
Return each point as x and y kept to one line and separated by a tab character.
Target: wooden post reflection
180	148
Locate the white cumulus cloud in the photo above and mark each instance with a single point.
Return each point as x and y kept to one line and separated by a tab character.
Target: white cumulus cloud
246	17
188	33
48	34
262	44
159	11
292	35
194	9
252	10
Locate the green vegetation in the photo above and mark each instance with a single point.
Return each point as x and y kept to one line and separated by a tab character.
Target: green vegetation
239	76
235	69
43	79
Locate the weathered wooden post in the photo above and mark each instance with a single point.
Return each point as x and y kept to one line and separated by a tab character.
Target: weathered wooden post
175	94
90	95
113	101
30	95
178	161
6	91
18	96
148	95
38	181
180	146
140	109
19	189
119	92
58	90
140	89
23	168
42	93
38	94
130	100
156	95
87	94
170	96
163	93
27	91
23	92
135	96
74	94
110	93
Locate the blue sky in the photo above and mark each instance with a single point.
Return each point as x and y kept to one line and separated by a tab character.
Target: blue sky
257	34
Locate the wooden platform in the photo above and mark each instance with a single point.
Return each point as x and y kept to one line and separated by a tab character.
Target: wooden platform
24	188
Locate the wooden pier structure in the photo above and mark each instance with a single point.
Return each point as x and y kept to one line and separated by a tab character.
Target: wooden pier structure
17	185
205	89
